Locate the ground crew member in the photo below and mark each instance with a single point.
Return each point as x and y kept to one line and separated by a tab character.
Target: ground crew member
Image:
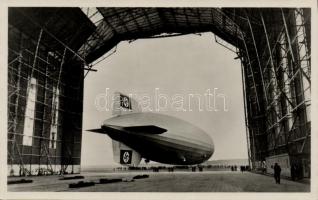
277	171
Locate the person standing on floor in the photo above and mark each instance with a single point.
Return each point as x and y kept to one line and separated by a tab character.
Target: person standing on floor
277	170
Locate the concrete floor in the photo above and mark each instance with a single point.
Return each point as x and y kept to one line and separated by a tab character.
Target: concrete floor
210	181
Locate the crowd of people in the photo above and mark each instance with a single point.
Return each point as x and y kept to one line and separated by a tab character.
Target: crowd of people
241	168
296	170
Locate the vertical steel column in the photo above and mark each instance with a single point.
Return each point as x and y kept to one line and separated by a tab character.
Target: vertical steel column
301	72
16	106
28	88
302	52
44	111
53	111
271	59
258	61
252	73
36	54
61	67
251	131
273	66
287	34
245	114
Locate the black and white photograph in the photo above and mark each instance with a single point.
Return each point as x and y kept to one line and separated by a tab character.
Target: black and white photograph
190	100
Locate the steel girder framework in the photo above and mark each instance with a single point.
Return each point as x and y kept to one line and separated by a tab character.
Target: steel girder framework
45	88
276	69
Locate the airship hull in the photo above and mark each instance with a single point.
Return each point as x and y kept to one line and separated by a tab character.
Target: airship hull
180	142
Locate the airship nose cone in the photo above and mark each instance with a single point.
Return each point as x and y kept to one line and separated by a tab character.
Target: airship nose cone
211	148
210	145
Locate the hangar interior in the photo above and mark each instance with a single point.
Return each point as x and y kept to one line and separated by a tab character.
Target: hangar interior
51	50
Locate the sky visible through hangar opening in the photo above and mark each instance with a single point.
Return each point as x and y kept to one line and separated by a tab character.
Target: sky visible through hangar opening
190	67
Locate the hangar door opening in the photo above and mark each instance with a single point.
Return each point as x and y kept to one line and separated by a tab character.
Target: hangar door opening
191	69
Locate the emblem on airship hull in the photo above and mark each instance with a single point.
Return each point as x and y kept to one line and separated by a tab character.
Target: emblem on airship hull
125	102
125	156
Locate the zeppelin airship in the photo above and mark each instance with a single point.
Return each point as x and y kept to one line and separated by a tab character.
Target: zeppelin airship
155	137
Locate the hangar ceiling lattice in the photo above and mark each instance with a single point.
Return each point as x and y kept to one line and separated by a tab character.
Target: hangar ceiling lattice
133	23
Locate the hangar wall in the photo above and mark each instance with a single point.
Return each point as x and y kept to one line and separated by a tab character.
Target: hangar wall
277	74
45	92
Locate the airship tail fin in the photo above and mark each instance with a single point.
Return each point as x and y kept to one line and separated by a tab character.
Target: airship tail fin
125	155
124	104
98	130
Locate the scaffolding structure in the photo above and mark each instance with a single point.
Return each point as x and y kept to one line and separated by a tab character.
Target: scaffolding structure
45	98
276	70
53	52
